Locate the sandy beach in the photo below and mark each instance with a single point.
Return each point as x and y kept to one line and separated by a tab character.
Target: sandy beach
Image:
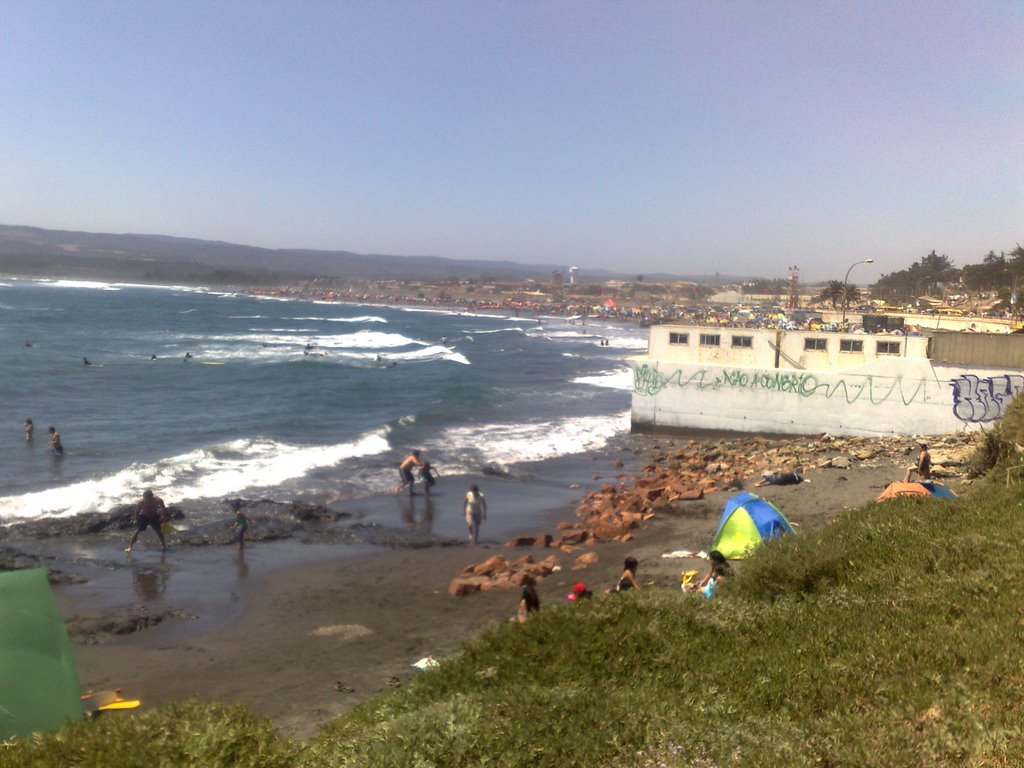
302	632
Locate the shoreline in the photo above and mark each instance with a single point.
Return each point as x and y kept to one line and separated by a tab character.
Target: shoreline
302	632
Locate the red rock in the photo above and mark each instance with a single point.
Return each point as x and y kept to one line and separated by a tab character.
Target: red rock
587	558
490	565
521	541
460	586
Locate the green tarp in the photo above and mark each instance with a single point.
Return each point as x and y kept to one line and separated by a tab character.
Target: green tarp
38	683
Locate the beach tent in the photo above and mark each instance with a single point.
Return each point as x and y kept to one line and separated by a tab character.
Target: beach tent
748	520
921	488
38	683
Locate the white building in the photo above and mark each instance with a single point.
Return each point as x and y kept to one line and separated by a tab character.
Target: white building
805	382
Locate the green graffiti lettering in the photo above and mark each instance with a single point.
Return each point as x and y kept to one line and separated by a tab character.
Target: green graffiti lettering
648	381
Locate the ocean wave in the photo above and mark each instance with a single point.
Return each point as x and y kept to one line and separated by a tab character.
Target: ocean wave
212	472
513	443
620	379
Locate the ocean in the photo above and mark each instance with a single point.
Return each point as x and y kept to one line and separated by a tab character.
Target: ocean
284	399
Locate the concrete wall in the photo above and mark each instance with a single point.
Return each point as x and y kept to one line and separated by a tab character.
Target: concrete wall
886	396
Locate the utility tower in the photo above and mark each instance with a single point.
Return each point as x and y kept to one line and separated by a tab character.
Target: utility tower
794	285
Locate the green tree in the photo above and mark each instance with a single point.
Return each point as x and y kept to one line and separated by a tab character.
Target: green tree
832	293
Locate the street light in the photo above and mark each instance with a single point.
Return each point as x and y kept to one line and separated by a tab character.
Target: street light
846	299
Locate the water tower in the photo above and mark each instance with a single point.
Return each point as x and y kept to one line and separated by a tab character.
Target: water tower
572	275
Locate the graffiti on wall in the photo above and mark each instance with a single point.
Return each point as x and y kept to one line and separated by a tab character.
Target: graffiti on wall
649	381
977	400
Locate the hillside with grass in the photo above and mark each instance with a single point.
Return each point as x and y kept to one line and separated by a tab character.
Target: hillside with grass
891	637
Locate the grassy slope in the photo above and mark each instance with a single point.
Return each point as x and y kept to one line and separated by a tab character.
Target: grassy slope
890	638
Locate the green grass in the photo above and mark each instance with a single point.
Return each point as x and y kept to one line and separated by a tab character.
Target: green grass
892	637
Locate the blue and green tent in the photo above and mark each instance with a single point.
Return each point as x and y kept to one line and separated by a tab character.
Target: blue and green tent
747	521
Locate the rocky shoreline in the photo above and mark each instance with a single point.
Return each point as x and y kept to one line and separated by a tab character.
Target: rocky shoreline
683	471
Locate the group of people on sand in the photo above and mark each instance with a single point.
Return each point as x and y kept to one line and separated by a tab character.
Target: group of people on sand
474	506
55	445
719	568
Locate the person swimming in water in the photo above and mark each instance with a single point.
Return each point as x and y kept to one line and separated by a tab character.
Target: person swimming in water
85	361
56	447
29	429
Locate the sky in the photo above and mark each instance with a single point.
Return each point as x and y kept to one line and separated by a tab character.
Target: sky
692	138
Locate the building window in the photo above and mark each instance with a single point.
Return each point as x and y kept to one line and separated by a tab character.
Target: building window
851	345
745	342
887	347
818	344
678	338
710	340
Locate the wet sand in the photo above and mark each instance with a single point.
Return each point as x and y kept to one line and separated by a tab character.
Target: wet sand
303	632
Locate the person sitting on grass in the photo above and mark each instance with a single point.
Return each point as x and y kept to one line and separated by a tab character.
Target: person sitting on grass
627	580
529	601
923	467
719	568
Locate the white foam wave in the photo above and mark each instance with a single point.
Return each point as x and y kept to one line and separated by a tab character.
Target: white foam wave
620	379
628	342
512	443
430	353
212	472
360	318
98	286
497	330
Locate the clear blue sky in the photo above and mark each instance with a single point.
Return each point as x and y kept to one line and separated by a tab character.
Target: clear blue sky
685	137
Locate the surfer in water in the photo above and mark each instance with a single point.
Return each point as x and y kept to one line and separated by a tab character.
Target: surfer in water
85	361
56	447
149	513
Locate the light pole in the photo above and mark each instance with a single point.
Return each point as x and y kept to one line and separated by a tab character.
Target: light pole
846	299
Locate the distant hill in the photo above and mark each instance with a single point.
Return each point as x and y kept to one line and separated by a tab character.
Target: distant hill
34	252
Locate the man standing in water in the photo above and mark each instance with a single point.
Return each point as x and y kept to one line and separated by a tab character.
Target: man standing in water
56	447
476	511
148	512
405	472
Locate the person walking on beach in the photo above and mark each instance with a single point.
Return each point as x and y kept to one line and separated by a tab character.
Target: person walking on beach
241	524
475	511
56	447
923	467
148	513
405	472
29	429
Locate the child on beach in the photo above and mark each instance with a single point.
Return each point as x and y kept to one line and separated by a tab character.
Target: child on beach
240	526
427	475
529	601
627	580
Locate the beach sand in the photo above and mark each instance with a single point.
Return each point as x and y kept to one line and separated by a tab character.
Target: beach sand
302	633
